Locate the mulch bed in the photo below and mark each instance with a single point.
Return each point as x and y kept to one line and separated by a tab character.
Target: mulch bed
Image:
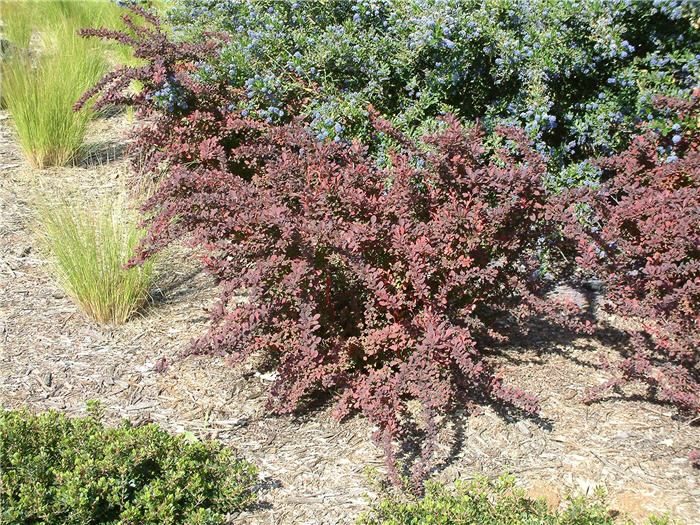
312	467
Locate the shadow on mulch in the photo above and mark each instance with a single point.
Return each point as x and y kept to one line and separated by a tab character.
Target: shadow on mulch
101	153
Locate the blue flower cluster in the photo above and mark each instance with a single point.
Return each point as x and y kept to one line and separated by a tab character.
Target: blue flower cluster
577	75
169	97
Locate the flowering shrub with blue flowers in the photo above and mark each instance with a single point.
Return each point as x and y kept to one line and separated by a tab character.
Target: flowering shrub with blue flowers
578	76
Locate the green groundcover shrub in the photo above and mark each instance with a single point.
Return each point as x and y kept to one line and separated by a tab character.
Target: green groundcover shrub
485	502
76	471
579	76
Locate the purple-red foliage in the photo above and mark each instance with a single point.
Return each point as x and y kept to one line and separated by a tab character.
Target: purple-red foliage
695	458
379	285
640	234
185	133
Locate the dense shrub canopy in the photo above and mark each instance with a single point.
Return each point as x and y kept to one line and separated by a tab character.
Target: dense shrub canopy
57	470
576	75
485	502
377	283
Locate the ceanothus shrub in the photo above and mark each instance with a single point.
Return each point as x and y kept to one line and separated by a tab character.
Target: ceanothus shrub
378	283
577	75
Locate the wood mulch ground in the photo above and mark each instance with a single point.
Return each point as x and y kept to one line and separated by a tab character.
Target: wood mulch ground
312	467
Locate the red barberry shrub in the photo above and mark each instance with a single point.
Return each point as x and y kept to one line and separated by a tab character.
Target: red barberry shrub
378	283
182	112
639	232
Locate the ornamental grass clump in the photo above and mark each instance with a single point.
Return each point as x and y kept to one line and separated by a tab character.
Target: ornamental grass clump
22	19
39	90
17	22
46	66
87	249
